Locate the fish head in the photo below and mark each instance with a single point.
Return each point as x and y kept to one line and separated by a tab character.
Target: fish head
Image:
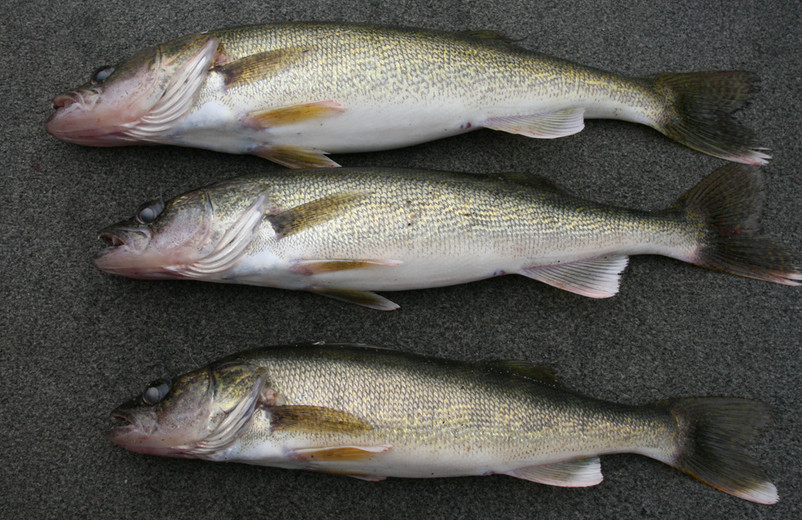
198	235
194	415
137	99
159	239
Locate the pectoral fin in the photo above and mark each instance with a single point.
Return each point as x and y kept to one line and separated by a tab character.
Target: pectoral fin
315	419
295	157
573	473
339	453
311	267
596	278
547	125
312	213
257	66
293	114
363	298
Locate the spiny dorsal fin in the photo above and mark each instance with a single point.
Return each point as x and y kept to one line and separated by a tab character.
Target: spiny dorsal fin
312	213
315	419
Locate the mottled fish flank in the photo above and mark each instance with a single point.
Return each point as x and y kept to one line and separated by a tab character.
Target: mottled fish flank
372	413
349	232
294	93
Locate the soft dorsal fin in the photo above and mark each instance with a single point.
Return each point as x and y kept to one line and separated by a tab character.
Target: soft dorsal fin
309	214
582	472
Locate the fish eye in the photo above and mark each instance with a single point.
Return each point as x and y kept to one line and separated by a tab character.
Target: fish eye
101	74
157	391
148	211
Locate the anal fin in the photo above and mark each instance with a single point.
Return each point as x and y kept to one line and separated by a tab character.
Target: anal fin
295	157
547	125
596	277
582	472
363	298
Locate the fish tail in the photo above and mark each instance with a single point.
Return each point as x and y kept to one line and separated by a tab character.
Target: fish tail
726	207
711	440
698	113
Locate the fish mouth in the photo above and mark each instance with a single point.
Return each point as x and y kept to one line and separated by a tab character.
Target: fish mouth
111	240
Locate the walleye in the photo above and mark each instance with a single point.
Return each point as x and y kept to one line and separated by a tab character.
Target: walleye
294	93
347	233
373	413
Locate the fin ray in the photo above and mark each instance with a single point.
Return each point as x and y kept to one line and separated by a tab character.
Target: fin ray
595	277
312	213
548	125
295	157
698	113
367	299
582	472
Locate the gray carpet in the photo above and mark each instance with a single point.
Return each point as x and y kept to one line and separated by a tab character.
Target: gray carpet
76	342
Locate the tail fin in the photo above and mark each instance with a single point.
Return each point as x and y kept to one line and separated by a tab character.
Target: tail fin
713	434
727	204
698	113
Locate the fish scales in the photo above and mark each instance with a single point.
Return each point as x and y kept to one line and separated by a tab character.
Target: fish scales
421	405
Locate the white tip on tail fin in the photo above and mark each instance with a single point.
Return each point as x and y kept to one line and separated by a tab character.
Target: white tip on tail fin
727	205
698	113
712	436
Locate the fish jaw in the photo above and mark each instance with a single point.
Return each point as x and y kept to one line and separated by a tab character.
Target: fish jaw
147	96
128	253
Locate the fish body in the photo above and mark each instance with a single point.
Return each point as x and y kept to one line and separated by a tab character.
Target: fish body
293	93
373	413
346	233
